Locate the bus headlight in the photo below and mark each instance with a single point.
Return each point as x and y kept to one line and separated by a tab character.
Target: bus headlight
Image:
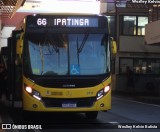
29	89
102	92
33	92
36	95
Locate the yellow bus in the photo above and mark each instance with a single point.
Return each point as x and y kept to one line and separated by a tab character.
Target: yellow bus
62	63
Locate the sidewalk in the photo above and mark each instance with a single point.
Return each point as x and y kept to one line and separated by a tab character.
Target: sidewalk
150	99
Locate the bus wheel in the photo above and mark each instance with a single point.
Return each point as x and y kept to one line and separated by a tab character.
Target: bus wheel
91	114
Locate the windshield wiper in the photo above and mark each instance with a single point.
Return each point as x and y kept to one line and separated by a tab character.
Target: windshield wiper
83	43
42	58
55	47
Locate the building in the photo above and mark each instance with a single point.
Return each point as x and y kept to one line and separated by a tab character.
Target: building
127	25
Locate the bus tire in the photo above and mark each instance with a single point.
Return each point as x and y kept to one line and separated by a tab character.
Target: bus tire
91	115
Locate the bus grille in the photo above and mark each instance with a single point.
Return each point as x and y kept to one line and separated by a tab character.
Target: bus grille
80	102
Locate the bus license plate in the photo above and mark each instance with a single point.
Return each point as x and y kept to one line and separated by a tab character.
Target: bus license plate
69	105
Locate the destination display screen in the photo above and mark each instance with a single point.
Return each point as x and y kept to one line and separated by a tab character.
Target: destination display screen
61	21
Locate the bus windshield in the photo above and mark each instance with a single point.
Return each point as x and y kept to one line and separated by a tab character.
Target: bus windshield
68	54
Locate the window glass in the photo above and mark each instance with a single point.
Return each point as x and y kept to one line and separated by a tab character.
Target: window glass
147	66
69	54
133	25
111	21
124	63
121	3
142	21
153	67
140	65
84	54
129	25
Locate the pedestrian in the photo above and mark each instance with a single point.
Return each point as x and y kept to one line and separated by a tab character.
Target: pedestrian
130	79
3	78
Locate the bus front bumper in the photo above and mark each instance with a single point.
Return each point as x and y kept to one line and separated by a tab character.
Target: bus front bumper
67	105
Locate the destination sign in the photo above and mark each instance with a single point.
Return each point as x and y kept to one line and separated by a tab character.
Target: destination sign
72	22
52	21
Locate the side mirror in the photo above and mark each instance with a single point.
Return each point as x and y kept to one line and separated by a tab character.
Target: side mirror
113	47
19	45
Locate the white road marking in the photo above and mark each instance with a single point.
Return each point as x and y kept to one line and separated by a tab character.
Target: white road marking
138	102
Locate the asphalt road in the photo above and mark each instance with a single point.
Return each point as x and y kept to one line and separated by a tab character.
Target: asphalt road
125	115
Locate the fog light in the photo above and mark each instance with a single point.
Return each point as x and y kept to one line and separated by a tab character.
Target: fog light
35	105
102	105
